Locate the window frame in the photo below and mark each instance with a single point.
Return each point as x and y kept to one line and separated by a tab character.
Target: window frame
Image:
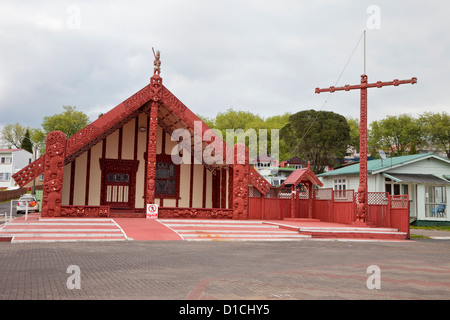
164	158
340	182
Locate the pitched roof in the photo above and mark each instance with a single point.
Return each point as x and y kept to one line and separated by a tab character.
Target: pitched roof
172	115
379	165
300	175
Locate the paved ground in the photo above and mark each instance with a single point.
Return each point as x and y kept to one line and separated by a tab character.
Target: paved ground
177	270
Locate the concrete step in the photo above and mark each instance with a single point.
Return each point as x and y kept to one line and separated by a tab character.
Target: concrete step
231	230
354	232
59	230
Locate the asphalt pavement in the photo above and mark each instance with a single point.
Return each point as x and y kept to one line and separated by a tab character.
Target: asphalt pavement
180	270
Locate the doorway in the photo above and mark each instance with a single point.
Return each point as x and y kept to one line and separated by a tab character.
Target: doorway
118	183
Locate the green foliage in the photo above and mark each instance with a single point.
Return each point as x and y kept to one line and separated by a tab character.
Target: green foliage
398	135
235	121
321	137
39	139
435	128
70	121
13	134
26	142
353	124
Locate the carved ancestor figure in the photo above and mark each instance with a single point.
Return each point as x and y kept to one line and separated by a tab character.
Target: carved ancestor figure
54	161
157	62
361	213
53	174
240	193
52	206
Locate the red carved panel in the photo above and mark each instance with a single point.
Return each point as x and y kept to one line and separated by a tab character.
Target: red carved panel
151	154
108	123
85	211
30	172
53	174
258	181
240	184
195	213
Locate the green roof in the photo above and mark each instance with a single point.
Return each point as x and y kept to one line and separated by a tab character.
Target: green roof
378	164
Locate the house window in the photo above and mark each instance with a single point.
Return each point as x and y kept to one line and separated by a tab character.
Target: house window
435	202
392	188
340	184
167	179
5	160
5	176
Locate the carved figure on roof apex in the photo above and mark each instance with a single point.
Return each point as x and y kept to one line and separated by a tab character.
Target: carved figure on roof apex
157	62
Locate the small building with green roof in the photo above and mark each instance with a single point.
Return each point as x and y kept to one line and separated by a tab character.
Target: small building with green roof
424	177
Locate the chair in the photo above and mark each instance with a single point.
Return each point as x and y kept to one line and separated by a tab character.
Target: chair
439	211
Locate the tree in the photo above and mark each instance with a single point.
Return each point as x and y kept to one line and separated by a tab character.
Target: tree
13	134
321	137
39	139
399	135
353	124
252	124
435	128
26	142
70	121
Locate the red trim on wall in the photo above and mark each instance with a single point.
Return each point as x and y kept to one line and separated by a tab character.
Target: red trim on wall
230	187
103	148
216	189
223	188
136	136
163	142
119	148
204	188
191	181
72	181
88	175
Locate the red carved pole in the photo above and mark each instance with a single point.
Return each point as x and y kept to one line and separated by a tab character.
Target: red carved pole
293	199
53	174
361	215
240	183
156	95
151	154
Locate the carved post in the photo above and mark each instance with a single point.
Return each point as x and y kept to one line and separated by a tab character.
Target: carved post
293	199
240	182
310	200
156	95
362	190
53	174
151	154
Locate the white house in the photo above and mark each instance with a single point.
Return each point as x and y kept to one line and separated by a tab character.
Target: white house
12	161
424	177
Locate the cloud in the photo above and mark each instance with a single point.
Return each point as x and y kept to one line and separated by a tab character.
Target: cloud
260	56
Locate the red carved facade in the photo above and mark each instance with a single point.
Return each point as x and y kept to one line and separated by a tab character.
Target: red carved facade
53	174
222	187
85	211
240	183
195	213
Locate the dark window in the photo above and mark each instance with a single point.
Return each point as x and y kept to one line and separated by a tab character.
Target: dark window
118	178
167	176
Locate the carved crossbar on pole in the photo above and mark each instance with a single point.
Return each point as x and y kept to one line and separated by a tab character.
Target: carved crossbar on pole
361	215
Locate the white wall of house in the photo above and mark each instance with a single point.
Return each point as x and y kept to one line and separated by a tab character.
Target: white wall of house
417	191
19	159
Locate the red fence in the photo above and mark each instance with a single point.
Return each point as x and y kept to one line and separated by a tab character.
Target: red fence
330	205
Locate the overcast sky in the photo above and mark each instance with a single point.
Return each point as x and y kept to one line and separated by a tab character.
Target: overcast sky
262	56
